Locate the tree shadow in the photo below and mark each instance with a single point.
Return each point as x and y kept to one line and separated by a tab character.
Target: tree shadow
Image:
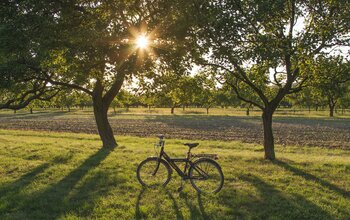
308	176
204	122
140	215
55	200
13	188
195	212
333	123
35	115
275	204
81	202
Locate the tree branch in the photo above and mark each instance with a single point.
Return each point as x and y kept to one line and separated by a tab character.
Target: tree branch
113	91
235	89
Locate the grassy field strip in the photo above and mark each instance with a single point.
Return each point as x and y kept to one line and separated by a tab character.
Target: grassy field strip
188	111
47	175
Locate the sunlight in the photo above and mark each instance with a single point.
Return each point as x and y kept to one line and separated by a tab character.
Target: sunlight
142	42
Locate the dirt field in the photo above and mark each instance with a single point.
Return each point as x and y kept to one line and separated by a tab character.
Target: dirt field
299	131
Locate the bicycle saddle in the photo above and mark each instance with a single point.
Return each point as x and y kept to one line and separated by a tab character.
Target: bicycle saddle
191	145
160	136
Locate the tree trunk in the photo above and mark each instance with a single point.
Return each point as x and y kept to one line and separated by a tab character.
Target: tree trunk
104	128
331	105
247	112
331	110
207	111
31	110
183	108
269	146
172	110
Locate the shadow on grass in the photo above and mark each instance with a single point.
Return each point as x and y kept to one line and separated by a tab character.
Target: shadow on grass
308	176
61	198
197	211
140	215
274	204
13	188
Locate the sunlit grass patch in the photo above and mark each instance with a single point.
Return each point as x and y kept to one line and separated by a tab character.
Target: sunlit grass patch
45	175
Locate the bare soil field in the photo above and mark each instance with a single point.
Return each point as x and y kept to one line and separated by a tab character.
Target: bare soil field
300	131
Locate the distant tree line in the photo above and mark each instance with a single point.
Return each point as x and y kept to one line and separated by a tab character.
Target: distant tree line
329	90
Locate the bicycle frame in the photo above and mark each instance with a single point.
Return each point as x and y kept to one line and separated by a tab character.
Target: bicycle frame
172	162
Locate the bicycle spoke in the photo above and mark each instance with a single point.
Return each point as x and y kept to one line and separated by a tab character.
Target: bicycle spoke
148	175
206	176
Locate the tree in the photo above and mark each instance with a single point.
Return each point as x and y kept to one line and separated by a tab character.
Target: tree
263	53
329	80
66	98
207	93
96	49
123	99
170	88
225	97
344	101
18	85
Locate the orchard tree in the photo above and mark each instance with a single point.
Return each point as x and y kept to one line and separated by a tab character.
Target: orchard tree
18	43
83	100
124	99
100	44
225	97
263	46
344	101
170	88
207	93
329	80
65	98
305	98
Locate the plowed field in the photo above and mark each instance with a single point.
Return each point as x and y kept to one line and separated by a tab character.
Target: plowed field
299	131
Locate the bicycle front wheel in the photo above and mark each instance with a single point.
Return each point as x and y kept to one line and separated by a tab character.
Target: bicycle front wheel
206	176
153	173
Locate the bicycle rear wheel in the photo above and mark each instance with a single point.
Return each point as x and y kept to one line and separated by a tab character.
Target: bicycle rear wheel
148	174
206	176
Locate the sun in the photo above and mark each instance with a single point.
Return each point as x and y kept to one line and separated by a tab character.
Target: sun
142	42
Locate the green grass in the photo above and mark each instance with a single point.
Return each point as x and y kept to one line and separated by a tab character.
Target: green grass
283	112
68	176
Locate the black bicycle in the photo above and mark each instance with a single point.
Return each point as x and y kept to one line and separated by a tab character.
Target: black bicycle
202	170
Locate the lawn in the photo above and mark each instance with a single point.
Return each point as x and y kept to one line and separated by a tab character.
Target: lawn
229	111
47	175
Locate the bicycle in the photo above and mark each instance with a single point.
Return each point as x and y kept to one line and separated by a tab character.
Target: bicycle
204	173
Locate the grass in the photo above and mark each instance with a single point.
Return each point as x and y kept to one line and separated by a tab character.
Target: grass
68	176
282	112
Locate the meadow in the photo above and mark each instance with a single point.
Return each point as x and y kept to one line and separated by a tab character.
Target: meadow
48	175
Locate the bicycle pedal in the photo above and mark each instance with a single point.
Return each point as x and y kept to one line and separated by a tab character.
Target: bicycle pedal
180	189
